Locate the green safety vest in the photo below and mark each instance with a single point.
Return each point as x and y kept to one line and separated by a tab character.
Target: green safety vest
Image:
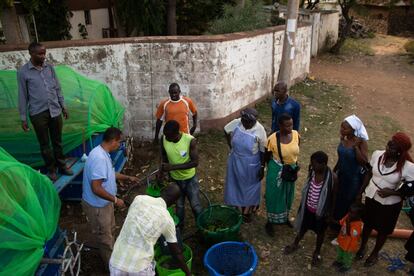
179	153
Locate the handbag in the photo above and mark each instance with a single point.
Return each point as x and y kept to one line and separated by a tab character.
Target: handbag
289	174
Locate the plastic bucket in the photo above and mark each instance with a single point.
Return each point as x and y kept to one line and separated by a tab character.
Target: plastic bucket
162	262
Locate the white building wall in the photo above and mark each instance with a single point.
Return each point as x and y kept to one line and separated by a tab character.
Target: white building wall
99	20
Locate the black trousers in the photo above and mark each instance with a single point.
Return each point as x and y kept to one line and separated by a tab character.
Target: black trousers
49	131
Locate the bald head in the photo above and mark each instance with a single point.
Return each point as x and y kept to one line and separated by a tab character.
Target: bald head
170	194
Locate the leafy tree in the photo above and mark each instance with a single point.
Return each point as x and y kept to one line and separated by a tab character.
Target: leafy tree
194	16
346	6
142	17
240	18
52	20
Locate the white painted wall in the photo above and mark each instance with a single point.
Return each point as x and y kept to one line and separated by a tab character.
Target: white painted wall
99	20
220	76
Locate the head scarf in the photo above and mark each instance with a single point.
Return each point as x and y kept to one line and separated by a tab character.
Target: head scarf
358	127
403	143
249	114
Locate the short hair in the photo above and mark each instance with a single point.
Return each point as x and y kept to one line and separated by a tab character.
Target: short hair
281	86
320	157
171	126
33	46
172	85
283	118
112	133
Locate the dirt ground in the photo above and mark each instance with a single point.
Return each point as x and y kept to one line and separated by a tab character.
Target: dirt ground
380	80
371	79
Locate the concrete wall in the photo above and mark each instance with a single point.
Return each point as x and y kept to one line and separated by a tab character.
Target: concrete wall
325	27
99	20
328	30
222	73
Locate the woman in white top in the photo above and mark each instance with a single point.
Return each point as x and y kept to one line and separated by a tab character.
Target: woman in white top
383	201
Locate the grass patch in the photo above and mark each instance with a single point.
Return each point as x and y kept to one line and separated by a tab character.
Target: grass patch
358	46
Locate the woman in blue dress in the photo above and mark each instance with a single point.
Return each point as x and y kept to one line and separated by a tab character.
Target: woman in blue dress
245	165
350	168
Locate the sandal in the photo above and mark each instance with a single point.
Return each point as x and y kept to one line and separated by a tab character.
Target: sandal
360	255
289	249
371	261
316	260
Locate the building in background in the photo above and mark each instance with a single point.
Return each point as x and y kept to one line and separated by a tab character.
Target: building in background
92	19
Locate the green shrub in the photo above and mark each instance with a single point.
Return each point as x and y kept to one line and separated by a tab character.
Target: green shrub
240	19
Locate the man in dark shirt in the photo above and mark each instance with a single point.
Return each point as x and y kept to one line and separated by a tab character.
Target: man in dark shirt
282	103
41	99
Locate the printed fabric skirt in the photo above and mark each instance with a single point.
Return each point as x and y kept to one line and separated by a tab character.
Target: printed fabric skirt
279	194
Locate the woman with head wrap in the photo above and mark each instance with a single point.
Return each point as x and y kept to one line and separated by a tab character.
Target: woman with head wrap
382	198
246	138
352	158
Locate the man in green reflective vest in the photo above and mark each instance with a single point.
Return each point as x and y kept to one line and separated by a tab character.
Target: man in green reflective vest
180	159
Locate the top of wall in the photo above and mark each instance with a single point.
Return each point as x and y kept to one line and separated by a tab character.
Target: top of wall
149	39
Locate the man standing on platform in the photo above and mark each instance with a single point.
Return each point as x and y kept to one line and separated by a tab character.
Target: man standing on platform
41	99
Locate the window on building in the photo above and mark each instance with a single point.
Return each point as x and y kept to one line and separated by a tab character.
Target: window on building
88	20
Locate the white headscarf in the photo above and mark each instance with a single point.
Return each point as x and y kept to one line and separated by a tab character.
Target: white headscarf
358	126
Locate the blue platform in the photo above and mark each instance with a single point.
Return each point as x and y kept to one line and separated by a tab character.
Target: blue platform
69	187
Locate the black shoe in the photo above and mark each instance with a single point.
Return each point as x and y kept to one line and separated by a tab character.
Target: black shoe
343	269
66	171
337	264
269	229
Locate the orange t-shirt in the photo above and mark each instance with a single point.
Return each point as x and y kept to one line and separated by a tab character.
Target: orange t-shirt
177	110
349	243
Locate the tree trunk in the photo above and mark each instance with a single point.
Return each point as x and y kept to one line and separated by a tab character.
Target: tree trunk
11	26
344	34
171	17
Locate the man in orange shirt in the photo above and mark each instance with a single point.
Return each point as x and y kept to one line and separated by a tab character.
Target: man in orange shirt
176	108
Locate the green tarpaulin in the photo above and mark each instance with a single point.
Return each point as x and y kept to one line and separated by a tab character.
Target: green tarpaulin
29	214
91	106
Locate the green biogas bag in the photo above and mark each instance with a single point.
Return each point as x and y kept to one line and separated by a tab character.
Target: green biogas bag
90	104
29	214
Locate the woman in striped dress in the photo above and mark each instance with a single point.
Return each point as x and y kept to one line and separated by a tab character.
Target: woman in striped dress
316	204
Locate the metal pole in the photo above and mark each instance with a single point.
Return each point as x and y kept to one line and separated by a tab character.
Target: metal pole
35	29
288	53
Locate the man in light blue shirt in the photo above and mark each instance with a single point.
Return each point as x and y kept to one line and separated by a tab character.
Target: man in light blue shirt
99	192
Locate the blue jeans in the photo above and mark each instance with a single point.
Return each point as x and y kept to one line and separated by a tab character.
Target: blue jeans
189	189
